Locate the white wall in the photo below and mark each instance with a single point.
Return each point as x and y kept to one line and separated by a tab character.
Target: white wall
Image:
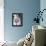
1	20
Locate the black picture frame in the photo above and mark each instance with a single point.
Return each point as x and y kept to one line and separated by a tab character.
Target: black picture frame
17	19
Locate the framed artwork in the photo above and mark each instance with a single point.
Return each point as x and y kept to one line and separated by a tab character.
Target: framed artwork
17	19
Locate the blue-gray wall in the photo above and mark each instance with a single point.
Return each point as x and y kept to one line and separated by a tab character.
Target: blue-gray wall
43	6
28	8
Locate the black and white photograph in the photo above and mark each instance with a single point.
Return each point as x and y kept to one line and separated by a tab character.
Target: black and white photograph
17	19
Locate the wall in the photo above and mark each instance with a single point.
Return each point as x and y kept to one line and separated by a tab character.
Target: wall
43	6
1	20
28	8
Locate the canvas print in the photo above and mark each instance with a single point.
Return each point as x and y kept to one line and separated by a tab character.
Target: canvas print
17	19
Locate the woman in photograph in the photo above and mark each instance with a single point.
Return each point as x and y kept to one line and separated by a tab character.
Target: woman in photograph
16	20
